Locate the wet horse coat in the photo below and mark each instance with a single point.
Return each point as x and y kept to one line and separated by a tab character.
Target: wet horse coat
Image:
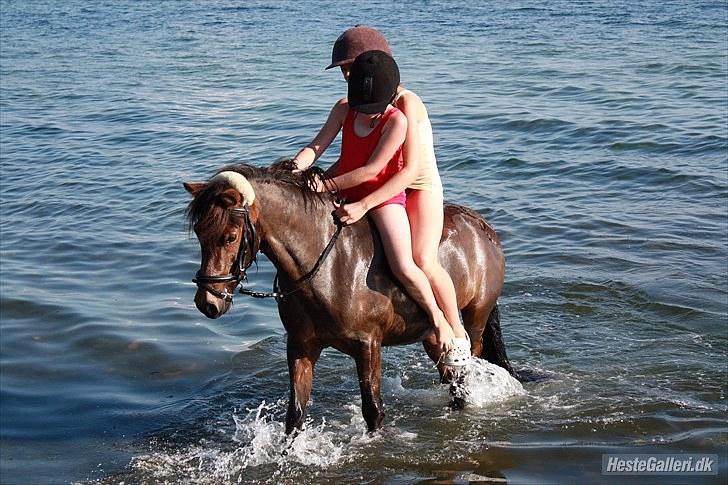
353	304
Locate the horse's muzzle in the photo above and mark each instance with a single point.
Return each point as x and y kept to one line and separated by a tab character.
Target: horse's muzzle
210	305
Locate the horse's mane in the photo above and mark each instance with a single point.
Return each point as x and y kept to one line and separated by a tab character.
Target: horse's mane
207	212
281	171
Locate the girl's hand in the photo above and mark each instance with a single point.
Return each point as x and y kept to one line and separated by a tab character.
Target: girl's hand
350	213
318	184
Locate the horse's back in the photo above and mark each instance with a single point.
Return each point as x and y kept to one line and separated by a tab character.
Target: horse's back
363	296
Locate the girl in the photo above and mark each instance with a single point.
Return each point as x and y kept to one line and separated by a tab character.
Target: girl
420	178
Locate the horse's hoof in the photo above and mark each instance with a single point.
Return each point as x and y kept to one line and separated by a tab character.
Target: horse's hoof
457	403
292	429
375	424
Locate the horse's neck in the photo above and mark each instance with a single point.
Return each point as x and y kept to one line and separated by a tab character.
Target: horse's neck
292	236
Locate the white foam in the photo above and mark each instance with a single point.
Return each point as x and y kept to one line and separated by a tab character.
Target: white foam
261	441
264	441
487	383
484	384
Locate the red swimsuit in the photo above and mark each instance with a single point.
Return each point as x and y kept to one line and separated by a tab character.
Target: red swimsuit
355	153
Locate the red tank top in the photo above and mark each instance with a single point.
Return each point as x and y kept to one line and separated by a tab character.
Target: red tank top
356	151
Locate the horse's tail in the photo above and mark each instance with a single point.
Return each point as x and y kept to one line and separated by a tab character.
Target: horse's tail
494	351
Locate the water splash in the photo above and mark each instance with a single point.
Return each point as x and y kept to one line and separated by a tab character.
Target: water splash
483	384
259	440
264	441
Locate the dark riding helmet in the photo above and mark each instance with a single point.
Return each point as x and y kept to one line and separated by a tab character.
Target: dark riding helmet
373	82
354	41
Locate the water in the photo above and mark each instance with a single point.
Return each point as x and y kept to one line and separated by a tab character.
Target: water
592	135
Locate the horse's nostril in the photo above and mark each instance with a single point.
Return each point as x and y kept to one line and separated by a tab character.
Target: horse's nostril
211	310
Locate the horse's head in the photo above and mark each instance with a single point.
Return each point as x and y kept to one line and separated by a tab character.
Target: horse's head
223	215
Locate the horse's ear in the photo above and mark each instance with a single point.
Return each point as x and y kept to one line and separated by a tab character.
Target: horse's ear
194	188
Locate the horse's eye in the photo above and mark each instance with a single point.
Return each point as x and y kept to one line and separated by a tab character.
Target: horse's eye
230	238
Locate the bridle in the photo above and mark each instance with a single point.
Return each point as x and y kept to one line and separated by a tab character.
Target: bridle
246	255
243	260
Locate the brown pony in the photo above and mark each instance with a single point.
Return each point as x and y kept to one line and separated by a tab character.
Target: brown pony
345	296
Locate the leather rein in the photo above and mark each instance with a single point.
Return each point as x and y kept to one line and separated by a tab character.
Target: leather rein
246	256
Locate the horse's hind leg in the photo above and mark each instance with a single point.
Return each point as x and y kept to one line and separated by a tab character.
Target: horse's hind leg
483	325
369	367
474	318
301	360
494	350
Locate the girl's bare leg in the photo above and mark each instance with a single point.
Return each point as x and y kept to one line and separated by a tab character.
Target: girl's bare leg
394	229
425	213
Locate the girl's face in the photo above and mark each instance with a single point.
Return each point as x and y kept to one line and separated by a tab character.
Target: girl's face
345	70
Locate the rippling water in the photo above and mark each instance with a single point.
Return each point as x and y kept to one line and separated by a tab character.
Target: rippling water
592	135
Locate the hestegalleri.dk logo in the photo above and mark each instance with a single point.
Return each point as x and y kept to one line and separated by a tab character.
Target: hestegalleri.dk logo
659	464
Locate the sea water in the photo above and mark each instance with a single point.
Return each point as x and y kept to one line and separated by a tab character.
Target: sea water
592	135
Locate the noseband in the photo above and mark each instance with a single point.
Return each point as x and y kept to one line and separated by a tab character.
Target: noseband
246	256
243	260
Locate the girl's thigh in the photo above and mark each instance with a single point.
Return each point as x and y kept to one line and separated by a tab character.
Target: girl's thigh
425	213
394	229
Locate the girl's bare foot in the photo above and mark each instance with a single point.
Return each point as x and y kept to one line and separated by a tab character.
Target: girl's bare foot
458	330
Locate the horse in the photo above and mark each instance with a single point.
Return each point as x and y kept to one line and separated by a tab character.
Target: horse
333	285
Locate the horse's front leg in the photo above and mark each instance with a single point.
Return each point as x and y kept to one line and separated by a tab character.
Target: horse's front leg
434	352
369	367
448	375
302	358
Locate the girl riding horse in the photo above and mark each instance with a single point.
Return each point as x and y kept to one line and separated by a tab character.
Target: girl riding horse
374	132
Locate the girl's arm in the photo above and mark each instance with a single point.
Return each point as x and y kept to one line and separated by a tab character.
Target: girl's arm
393	136
350	213
311	152
331	171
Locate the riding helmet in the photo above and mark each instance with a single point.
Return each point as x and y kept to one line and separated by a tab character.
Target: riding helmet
373	82
354	41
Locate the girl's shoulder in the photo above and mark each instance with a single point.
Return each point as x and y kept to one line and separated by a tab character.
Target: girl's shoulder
410	103
395	117
408	96
340	109
396	113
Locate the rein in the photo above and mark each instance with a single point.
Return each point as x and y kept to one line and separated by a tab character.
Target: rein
240	268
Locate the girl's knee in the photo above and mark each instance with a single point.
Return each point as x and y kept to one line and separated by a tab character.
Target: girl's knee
426	263
405	272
